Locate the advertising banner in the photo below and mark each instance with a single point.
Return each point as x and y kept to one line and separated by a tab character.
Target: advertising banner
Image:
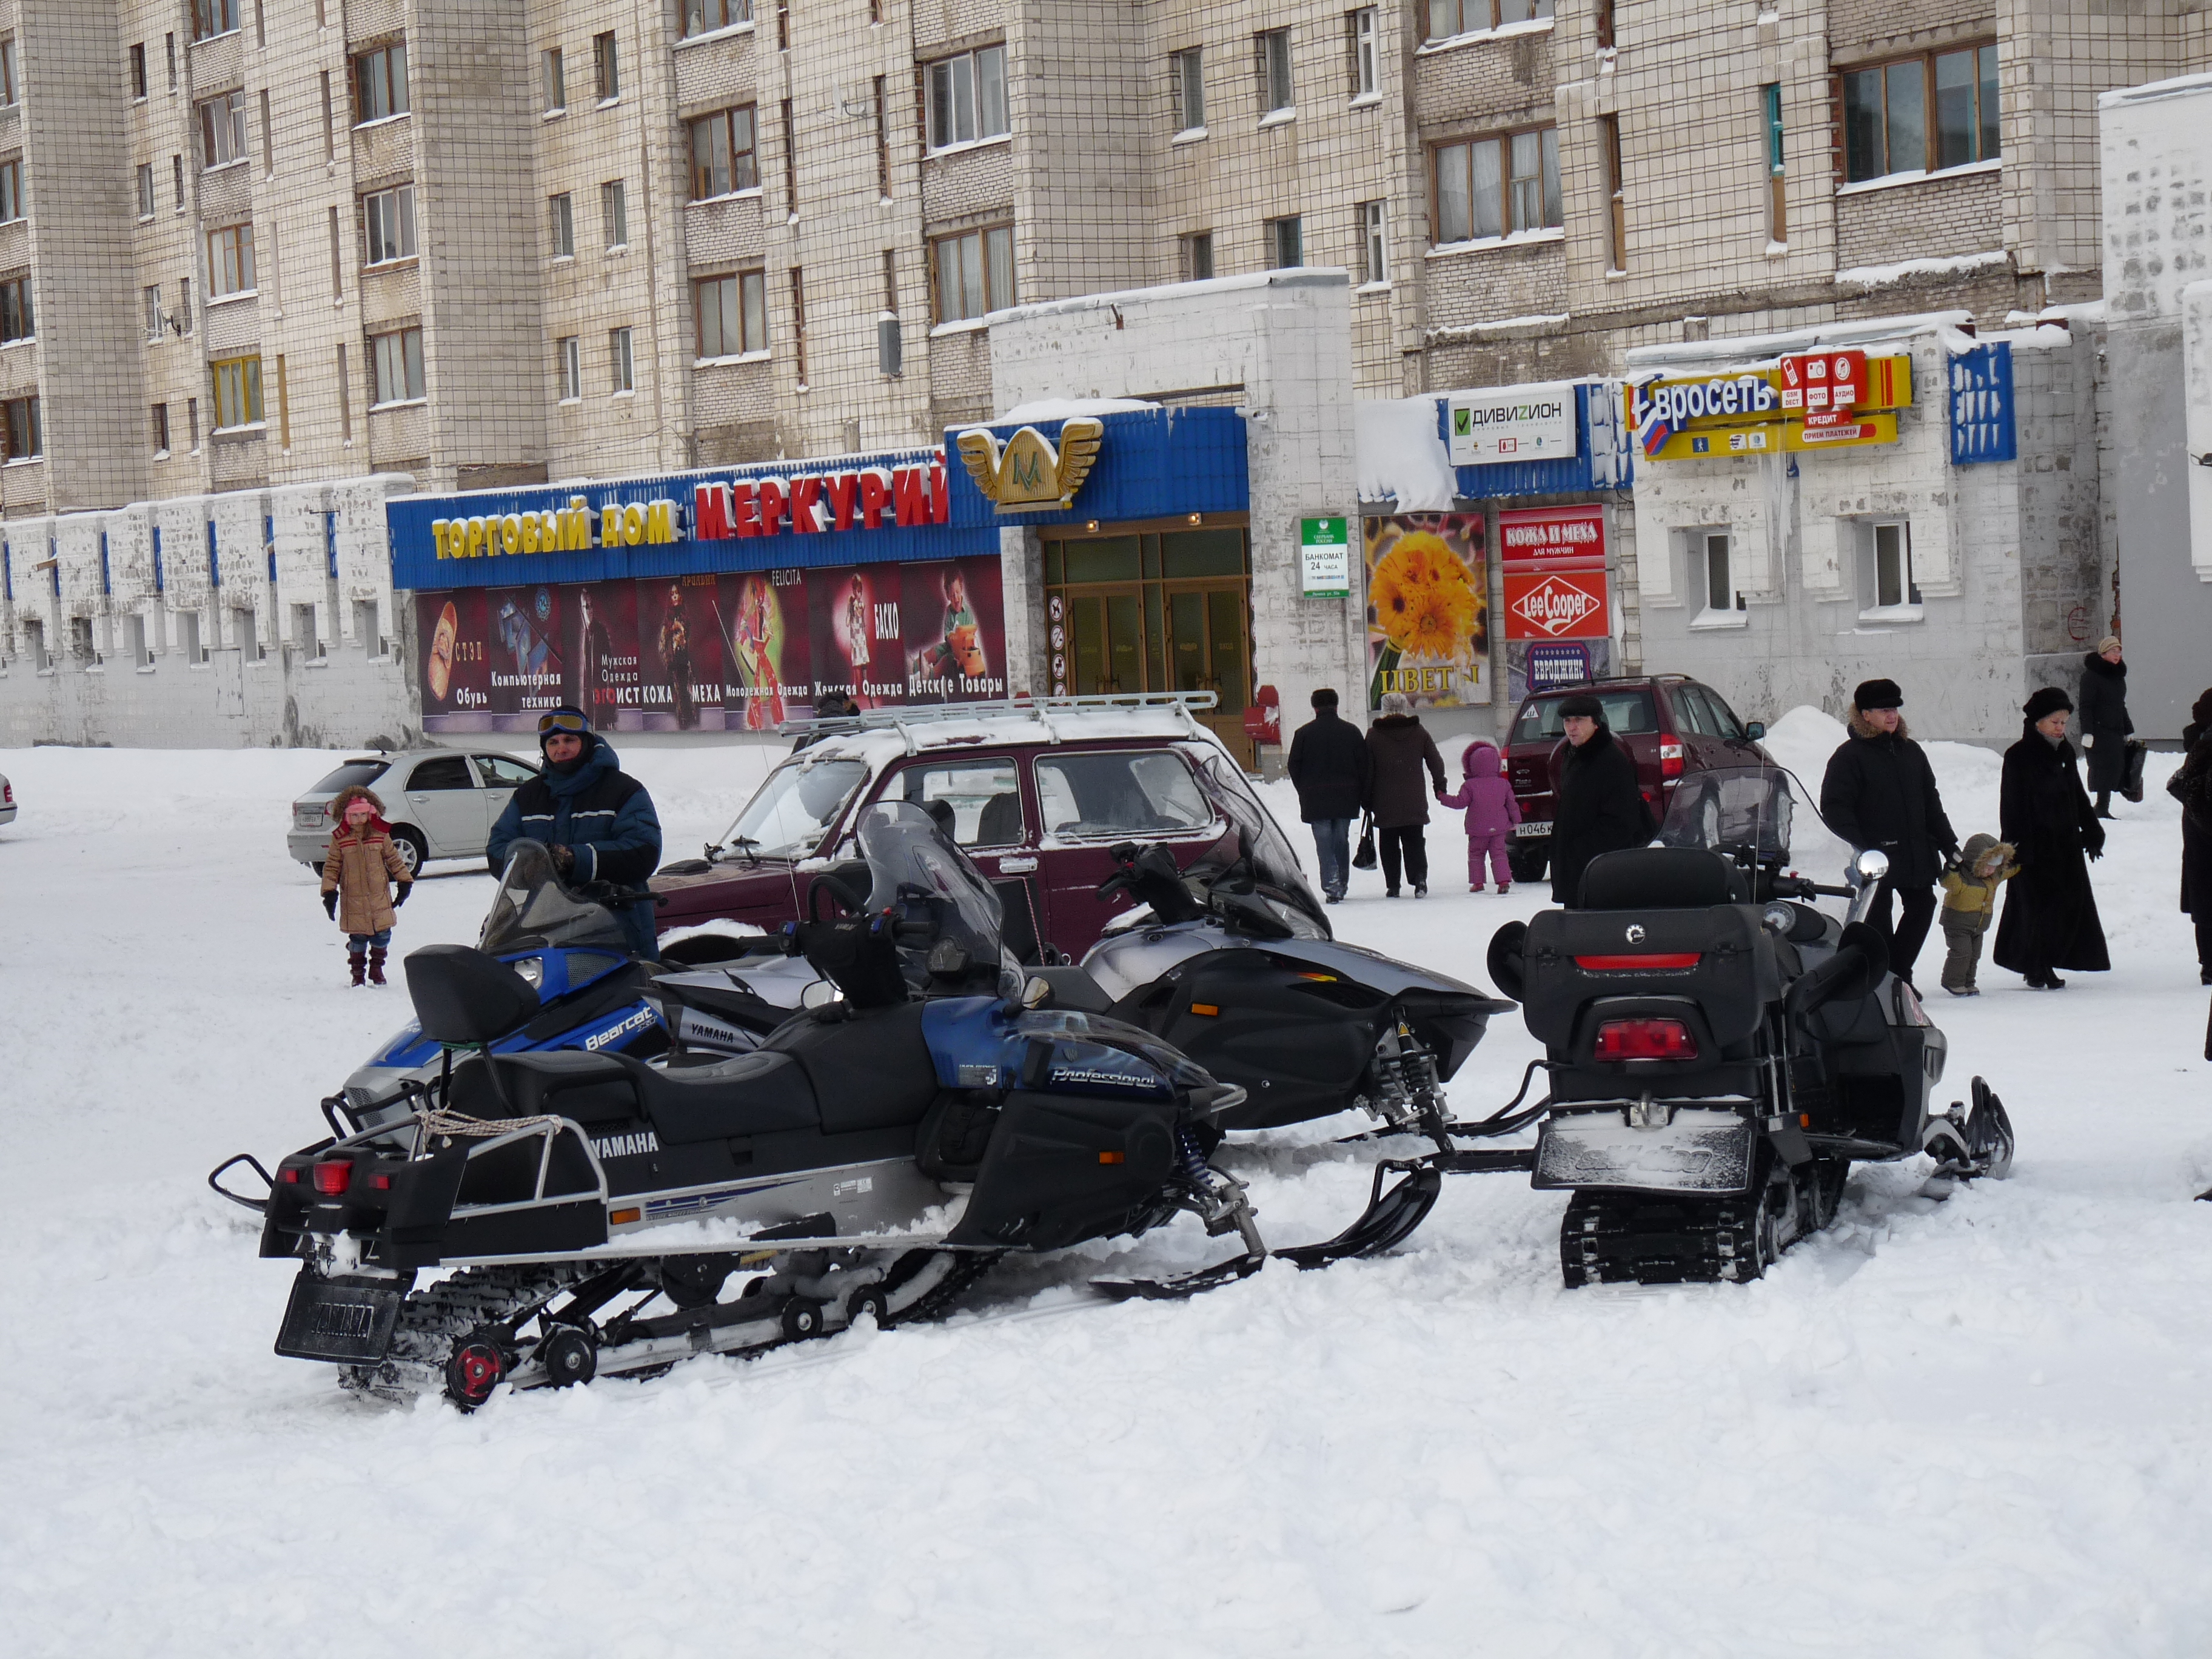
768	660
528	665
681	643
456	668
1852	400
1428	621
1551	538
1324	559
1513	423
1545	665
1556	604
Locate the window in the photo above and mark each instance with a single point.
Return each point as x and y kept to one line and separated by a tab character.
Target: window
701	15
395	367
562	219
9	90
16	322
1777	221
81	645
346	397
223	130
11	189
1273	51
134	634
498	771
968	98
556	80
185	305
1478	196
21	420
975	274
188	636
34	645
192	422
169	45
1708	570
388	217
1374	244
731	313
138	69
607	70
985	796
1286	240
303	630
230	261
1447	18
618	354
1198	256
1190	89
1608	129
1601	24
371	641
798	322
330	137
1936	111
379	83
723	156
160	428
1888	554
572	370
1360	32
152	298
337	259
882	141
177	179
237	392
145	188
790	156
1119	795
213	17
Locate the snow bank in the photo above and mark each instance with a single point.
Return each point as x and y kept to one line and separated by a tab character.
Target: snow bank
1066	408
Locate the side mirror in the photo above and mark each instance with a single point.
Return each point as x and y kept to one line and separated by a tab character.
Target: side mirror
1508	968
1756	730
1037	993
1872	864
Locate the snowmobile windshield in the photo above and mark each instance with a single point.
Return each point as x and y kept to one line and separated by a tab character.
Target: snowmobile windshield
534	910
795	808
1736	810
947	911
1259	845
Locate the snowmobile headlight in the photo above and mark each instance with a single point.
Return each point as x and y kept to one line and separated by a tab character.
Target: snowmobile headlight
532	969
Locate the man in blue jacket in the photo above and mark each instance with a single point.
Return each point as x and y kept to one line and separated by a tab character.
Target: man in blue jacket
598	820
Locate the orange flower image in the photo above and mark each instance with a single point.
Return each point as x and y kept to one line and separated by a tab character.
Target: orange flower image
1425	607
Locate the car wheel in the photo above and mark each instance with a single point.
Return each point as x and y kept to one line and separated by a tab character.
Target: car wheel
413	853
1527	863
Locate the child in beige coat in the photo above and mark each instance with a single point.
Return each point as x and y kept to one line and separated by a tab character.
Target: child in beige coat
1970	899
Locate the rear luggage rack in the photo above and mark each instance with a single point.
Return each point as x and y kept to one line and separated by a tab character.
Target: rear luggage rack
1039	709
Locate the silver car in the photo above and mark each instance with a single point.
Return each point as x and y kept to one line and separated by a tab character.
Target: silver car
440	803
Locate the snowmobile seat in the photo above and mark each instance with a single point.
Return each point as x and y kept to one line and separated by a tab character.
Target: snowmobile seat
750	1094
871	1070
1662	878
558	1083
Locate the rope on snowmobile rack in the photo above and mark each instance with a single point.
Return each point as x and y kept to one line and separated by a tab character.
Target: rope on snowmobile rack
438	1121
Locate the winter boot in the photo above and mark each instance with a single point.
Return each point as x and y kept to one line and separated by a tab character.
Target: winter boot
359	965
1504	886
375	966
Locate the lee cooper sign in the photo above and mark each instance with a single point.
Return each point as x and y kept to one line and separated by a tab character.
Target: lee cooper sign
1513	423
1557	605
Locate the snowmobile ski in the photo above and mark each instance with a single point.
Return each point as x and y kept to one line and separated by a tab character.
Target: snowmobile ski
1389	1218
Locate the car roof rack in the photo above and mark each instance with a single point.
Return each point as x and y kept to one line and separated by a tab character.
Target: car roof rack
1040	709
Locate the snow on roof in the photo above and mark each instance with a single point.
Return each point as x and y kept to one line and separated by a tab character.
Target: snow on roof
1066	408
1883	275
878	745
2151	90
1295	276
1751	351
1401	454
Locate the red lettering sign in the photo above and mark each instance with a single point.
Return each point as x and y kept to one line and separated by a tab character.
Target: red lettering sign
1556	604
1543	539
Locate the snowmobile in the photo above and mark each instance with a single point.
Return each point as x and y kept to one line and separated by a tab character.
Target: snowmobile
1720	1052
873	1157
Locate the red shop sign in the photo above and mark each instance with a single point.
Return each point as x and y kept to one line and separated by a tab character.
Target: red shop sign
1556	604
1552	538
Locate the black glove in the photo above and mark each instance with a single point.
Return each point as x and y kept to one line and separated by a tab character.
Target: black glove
400	898
330	904
2096	852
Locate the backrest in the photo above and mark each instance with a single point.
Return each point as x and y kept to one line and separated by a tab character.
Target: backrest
999	823
1662	878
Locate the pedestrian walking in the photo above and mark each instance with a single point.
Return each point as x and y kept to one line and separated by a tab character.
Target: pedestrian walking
597	819
1879	795
1329	769
1970	900
2105	724
2192	787
1600	806
358	873
1398	747
1492	812
2050	918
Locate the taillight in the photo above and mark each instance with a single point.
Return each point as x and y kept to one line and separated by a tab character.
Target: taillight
1670	758
333	1178
381	1183
1645	1039
1640	962
290	1176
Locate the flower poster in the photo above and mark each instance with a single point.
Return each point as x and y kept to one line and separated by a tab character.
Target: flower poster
1428	609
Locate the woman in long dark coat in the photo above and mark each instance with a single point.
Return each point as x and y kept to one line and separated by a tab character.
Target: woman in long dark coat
2194	786
2104	723
2050	918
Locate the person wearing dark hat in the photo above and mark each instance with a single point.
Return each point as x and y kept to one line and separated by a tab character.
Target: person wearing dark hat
1880	794
2050	918
1600	808
598	820
2106	726
2192	787
1329	769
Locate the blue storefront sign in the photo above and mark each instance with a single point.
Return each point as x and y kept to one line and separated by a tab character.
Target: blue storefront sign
1981	405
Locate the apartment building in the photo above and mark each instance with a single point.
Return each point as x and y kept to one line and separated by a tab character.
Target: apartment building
251	250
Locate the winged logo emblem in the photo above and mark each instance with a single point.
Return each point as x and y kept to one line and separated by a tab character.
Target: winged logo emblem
1028	475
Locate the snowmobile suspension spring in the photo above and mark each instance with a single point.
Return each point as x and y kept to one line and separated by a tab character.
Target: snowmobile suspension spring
1194	1167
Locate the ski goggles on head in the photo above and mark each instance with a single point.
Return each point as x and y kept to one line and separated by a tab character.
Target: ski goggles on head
562	720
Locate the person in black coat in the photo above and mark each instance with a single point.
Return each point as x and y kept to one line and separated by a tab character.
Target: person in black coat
1329	769
1398	748
1599	806
2192	787
2050	918
1880	794
2106	726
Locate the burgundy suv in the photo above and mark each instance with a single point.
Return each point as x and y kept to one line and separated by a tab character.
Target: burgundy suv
1670	724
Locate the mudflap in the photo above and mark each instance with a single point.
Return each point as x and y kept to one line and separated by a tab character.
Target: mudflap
346	1321
1389	1218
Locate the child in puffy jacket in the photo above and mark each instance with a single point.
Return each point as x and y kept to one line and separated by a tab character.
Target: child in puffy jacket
1492	812
1969	897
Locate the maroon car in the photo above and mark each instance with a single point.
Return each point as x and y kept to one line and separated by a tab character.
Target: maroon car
1036	795
1671	725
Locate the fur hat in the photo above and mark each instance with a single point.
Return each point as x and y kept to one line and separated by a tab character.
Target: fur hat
353	791
1877	694
2110	642
1396	703
1582	706
2047	701
1325	697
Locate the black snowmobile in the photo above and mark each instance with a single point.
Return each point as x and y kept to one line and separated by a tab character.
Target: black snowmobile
874	1156
1720	1052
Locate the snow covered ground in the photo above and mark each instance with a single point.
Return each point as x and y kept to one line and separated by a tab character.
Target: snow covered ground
1982	1426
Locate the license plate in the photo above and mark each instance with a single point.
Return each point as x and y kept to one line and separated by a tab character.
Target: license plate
1543	829
330	1319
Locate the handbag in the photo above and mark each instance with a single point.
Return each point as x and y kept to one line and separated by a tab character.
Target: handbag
1364	858
2132	789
